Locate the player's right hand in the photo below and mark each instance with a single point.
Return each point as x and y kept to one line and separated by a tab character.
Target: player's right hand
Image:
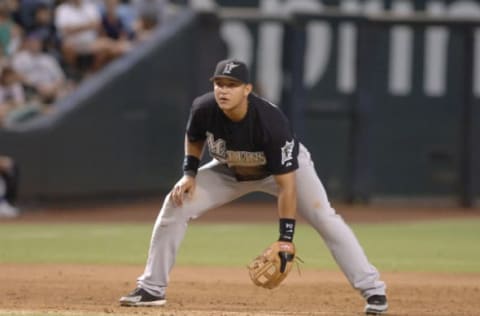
183	189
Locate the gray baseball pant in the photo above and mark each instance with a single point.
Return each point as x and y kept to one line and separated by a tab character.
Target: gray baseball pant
216	186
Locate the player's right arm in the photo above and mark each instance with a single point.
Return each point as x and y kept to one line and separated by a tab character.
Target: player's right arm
185	187
194	141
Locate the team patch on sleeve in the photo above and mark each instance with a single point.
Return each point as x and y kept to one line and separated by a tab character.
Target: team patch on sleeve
287	153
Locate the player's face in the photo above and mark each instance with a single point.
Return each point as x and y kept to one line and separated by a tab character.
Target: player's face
230	94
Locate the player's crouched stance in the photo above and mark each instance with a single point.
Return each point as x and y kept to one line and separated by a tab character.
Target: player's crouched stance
253	150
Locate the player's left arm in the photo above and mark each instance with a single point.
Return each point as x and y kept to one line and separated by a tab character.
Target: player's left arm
287	195
287	204
281	151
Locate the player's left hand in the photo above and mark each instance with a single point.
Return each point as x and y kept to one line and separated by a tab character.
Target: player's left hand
184	188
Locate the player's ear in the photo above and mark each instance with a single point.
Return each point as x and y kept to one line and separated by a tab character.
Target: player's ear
248	88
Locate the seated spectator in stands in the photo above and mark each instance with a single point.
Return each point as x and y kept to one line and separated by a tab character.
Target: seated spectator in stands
113	26
154	8
12	94
8	187
43	25
39	71
128	16
78	23
23	11
149	15
9	31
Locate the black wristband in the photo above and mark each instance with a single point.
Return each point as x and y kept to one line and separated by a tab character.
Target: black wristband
287	228
190	165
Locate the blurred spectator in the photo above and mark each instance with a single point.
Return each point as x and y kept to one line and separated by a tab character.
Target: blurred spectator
8	187
12	94
154	8
78	23
113	26
9	31
44	27
23	11
14	107
128	16
39	71
150	14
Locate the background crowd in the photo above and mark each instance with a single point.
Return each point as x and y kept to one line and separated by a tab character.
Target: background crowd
47	47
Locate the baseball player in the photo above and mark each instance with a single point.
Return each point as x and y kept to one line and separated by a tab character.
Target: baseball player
8	187
253	149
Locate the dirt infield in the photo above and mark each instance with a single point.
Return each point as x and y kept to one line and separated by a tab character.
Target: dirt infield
227	291
224	291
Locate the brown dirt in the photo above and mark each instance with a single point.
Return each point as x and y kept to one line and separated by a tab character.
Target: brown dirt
227	291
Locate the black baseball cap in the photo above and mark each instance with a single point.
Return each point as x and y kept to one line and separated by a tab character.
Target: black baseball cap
232	69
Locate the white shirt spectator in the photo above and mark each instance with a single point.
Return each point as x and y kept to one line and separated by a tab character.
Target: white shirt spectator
69	15
37	69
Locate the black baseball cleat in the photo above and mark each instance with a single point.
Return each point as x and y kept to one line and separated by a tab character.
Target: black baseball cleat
140	297
376	305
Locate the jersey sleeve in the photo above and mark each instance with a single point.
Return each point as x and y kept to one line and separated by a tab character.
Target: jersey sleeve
196	123
281	148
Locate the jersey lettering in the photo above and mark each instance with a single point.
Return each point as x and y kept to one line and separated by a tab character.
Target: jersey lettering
218	150
246	158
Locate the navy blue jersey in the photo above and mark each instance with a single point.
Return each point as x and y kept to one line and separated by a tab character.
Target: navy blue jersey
259	145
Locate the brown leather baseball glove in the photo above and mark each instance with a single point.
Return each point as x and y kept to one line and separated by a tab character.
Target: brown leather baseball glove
270	268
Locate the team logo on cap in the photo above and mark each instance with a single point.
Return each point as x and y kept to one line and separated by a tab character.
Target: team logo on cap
229	67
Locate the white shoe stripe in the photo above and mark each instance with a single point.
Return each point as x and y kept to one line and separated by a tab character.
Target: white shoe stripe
376	308
136	303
